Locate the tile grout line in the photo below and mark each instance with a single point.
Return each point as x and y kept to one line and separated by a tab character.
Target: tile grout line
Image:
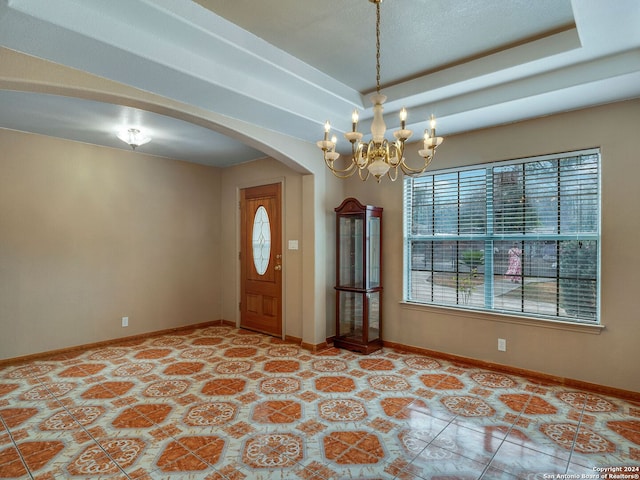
194	453
159	364
575	438
451	421
456	416
15	445
97	442
511	427
82	427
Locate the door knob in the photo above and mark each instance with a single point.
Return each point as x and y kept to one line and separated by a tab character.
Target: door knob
278	267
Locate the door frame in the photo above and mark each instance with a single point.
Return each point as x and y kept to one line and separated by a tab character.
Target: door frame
238	245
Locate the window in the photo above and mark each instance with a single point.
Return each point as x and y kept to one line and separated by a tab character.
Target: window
519	237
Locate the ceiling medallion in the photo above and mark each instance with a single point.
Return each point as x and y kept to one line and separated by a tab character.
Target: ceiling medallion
379	156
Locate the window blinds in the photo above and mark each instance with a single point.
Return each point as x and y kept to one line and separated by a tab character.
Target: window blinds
518	236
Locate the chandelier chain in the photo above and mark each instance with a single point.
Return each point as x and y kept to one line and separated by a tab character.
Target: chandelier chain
378	47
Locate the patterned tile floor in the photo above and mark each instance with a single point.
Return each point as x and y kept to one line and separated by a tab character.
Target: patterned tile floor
220	403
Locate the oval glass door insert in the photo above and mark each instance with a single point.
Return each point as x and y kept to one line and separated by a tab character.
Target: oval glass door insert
261	240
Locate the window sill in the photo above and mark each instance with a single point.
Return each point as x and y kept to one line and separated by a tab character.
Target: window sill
506	318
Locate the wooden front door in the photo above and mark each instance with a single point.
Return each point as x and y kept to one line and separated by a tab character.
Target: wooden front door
261	259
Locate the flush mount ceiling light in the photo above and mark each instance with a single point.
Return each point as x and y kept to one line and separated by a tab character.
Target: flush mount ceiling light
133	137
379	156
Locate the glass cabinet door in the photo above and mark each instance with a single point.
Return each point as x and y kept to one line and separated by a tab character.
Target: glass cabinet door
374	316
374	252
351	306
351	263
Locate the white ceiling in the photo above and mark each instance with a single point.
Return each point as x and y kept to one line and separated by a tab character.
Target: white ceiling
289	65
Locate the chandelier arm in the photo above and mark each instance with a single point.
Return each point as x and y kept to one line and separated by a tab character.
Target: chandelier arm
356	150
399	150
339	175
415	171
387	152
350	170
360	174
363	151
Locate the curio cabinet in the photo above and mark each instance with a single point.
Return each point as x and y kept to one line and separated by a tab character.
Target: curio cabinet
358	277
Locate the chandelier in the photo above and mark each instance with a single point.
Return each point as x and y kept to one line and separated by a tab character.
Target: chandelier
379	156
133	137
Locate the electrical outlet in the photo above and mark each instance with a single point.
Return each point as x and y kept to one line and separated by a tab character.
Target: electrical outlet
502	345
125	321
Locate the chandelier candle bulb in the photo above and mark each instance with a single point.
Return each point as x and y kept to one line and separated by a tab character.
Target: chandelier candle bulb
403	118
354	120
326	145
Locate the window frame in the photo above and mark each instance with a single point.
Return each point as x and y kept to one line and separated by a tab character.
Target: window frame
489	237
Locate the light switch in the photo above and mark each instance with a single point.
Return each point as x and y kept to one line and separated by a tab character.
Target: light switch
293	244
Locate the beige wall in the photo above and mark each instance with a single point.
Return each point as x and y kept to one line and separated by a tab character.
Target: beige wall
609	357
90	234
335	196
